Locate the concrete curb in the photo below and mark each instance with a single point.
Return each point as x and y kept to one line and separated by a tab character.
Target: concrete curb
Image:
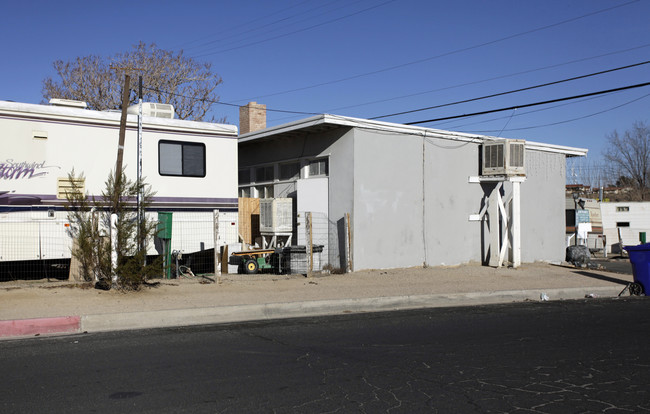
40	326
269	311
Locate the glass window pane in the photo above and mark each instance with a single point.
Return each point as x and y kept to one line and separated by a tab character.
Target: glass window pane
290	171
181	159
194	160
318	167
264	174
170	160
244	176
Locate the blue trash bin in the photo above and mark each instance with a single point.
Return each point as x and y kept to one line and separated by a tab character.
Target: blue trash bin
640	259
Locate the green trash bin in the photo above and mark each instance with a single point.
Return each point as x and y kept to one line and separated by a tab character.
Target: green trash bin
642	237
164	233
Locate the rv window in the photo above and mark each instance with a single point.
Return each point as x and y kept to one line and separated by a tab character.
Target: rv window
181	159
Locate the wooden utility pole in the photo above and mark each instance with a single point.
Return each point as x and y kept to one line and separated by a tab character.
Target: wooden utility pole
120	145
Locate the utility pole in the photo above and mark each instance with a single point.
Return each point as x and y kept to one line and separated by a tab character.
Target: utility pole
141	241
120	145
125	104
139	172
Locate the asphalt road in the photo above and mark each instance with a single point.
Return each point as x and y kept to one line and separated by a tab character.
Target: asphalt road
574	356
616	265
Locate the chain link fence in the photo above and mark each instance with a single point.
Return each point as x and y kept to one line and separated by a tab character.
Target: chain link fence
36	245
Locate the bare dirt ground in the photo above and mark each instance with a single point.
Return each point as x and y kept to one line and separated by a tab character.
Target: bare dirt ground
31	299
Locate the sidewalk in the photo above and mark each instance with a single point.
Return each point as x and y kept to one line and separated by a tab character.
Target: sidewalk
29	308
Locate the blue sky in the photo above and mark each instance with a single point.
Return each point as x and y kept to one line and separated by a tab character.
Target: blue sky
369	58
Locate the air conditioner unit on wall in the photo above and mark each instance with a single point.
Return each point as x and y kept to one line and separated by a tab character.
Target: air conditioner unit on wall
504	157
158	110
276	215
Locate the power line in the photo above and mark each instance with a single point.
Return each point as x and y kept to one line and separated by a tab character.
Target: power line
514	90
548	108
262	27
570	120
331	110
231	29
530	104
443	54
226	103
488	79
297	31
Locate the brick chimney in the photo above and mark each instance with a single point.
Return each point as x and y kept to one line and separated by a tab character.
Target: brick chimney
252	117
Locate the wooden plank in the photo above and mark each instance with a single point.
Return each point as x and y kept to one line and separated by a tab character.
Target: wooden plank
249	219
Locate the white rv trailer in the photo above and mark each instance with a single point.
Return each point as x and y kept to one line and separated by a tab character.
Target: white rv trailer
192	167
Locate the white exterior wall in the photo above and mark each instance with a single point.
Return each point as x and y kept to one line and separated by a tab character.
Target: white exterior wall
87	142
638	216
409	193
450	199
543	227
388	202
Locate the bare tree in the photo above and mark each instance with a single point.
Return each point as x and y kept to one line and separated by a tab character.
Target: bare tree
629	156
168	77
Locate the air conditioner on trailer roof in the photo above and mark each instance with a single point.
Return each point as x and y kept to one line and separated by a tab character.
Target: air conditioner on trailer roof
158	110
503	157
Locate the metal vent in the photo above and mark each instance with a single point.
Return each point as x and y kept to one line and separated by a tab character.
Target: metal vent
65	186
158	110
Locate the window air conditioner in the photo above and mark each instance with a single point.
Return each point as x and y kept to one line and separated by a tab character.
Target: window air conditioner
276	215
505	157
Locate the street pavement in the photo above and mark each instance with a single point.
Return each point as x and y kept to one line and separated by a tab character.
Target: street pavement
34	308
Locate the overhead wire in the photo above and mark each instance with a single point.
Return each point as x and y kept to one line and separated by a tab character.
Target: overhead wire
487	79
514	108
226	103
640	85
523	113
331	110
514	90
269	26
268	39
569	120
390	68
234	28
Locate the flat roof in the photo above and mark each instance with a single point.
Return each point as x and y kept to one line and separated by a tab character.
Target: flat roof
323	122
87	116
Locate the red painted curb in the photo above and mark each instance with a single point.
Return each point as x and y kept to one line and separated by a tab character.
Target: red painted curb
23	327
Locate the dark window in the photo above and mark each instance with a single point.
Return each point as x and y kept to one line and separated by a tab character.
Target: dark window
245	176
622	224
264	174
623	208
290	171
182	159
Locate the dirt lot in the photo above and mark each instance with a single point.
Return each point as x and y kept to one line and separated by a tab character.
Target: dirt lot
30	299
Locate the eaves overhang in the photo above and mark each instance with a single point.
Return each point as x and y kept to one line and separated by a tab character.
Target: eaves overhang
324	122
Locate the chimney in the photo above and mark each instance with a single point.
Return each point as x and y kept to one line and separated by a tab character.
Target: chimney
252	117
